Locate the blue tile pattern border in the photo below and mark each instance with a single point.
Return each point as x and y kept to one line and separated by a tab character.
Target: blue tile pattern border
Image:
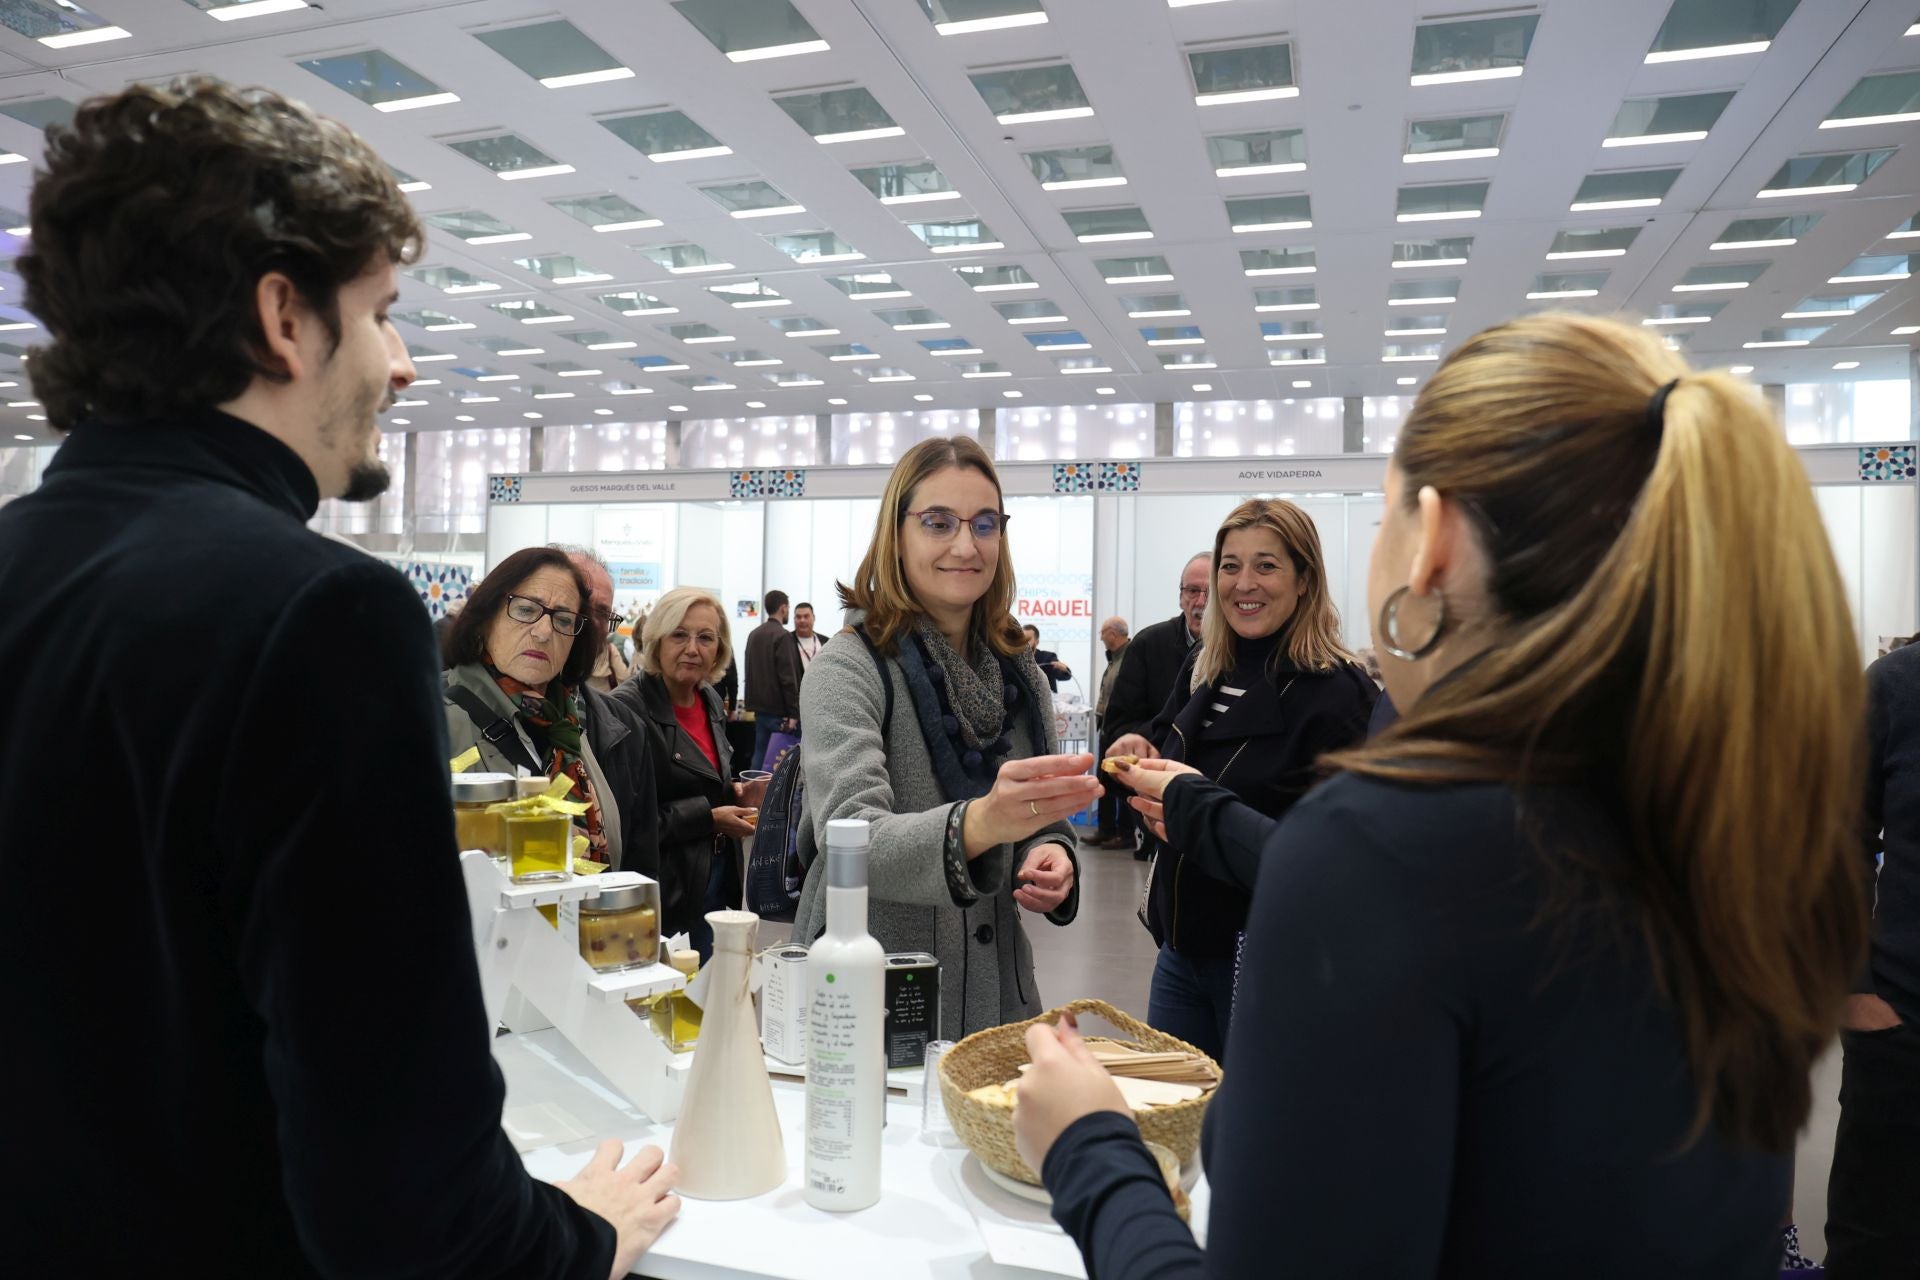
1096	477
1888	462
503	488
767	484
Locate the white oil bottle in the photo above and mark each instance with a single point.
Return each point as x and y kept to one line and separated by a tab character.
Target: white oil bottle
846	1035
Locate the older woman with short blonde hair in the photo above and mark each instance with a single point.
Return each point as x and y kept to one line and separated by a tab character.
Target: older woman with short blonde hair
703	812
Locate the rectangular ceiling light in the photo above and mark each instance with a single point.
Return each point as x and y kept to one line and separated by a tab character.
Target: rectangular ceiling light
955	235
1029	312
915	182
1441	203
225	11
1454	138
1447	251
804	327
1300	260
1824	175
408	183
1033	95
1623	189
435	321
475	227
872	286
450	280
556	54
658	364
682	259
1148	270
1009	279
1716	29
1425	326
965	17
1721	277
606	213
27	17
1583	284
752	200
815	246
1155	306
1831	307
949	346
1076	169
1474	49
752	30
380	81
664	136
1267	301
848	352
1798	337
910	319
510	156
840	115
1678	313
1186	360
987	369
1765	233
1270	213
527	311
1059	340
1249	73
697	334
1185	335
886	374
631	302
746	295
1874	267
1097	226
1082	364
1288	357
751	359
1592	242
1893	98
1643	122
1422	293
1290	331
1409	352
561	269
1908	230
1245	155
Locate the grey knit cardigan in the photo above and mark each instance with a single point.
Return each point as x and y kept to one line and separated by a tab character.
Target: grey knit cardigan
854	771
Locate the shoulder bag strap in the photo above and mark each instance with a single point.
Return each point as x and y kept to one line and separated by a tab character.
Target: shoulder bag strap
497	730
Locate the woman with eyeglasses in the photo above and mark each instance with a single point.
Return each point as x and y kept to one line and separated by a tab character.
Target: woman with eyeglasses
515	687
936	727
703	813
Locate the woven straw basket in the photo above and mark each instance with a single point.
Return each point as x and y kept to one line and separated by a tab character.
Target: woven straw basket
995	1055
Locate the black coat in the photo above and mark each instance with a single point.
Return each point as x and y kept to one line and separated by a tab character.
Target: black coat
773	671
1262	749
617	731
689	788
306	1079
1146	679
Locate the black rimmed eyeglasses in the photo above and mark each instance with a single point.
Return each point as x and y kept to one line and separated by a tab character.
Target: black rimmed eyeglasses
567	622
943	524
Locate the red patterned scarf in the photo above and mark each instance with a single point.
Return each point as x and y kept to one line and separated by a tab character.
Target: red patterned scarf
556	712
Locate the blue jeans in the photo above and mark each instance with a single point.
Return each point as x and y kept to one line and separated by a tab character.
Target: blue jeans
1192	998
765	725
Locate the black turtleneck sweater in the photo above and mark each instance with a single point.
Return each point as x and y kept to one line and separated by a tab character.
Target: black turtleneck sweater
245	1034
1256	732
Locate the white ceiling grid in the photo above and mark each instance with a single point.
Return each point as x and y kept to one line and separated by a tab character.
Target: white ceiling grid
1355	103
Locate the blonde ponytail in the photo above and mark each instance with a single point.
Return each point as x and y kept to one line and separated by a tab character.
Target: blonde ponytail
1669	632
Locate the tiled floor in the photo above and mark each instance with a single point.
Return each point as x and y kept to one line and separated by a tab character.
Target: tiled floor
1106	954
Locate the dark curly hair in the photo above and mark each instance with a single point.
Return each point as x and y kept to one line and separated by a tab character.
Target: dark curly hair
466	639
155	216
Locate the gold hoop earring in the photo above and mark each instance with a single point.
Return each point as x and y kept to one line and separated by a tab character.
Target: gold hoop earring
1389	628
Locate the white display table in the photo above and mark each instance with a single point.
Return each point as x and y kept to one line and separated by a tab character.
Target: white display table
939	1216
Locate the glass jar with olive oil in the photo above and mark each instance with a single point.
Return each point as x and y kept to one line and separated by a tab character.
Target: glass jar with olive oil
676	1019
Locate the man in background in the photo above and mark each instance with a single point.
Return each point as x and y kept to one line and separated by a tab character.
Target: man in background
1114	828
805	638
610	669
1050	665
773	677
1873	1191
1154	657
311	1089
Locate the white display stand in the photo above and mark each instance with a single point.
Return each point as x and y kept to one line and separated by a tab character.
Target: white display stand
521	954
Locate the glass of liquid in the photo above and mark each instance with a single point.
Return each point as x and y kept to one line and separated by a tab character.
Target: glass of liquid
539	847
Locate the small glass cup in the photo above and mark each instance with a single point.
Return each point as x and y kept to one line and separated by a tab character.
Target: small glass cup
540	847
936	1130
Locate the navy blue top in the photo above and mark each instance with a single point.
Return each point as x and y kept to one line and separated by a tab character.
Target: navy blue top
1425	1081
1893	828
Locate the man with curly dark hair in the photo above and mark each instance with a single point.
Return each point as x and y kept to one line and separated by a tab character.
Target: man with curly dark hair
226	1062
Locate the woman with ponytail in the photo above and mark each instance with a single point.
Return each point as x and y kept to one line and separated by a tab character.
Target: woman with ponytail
1533	988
